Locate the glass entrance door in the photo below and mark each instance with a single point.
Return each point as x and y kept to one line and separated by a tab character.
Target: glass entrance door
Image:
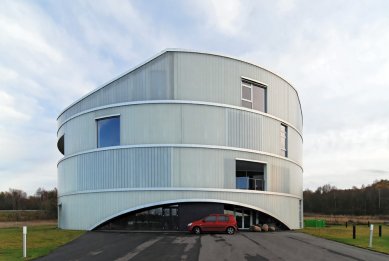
243	218
170	218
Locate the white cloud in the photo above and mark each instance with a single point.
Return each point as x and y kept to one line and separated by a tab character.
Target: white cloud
7	109
52	53
227	17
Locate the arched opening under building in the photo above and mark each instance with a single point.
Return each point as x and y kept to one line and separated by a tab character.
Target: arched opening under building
176	217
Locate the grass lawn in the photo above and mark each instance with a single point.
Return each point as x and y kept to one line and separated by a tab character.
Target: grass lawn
345	235
41	240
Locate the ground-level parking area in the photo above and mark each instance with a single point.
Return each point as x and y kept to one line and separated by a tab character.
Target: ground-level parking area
286	245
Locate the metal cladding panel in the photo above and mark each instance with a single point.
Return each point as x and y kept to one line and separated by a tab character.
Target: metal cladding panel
295	146
81	132
151	124
245	130
113	169
203	125
87	210
211	78
184	124
152	81
215	168
170	167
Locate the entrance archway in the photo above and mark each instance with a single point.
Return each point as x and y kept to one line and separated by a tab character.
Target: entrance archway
173	217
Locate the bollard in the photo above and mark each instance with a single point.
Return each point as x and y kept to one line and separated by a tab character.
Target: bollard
380	230
24	241
346	224
354	232
371	236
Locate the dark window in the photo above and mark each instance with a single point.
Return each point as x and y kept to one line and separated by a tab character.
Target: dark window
250	175
108	132
284	140
210	219
61	144
253	96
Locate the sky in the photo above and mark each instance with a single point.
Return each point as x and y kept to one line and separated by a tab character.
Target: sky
335	53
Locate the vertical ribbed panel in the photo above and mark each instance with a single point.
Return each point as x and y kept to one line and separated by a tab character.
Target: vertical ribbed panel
184	124
245	130
77	209
198	77
123	168
204	77
152	81
203	125
148	124
214	168
159	167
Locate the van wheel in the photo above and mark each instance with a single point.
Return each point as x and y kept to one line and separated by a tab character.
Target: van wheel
196	230
230	230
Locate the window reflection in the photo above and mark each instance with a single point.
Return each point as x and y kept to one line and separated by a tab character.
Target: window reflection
108	132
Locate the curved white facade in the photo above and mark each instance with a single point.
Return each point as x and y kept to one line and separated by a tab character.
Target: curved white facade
182	130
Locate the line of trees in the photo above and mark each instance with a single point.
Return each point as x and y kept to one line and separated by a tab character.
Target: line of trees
44	200
370	200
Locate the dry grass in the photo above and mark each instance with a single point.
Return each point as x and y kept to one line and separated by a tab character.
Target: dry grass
41	240
344	235
342	219
28	223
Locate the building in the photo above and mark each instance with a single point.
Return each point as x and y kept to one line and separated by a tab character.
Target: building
178	137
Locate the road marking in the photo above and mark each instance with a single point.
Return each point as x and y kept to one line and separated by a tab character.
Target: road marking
95	253
138	249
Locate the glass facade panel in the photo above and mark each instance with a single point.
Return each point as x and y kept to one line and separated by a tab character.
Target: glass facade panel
108	132
246	93
259	98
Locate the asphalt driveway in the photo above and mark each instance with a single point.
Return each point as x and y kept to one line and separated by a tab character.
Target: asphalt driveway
182	246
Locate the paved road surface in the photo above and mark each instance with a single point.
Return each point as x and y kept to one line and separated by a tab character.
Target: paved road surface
181	246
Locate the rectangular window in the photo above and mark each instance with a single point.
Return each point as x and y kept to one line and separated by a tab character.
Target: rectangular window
250	175
253	95
108	132
284	140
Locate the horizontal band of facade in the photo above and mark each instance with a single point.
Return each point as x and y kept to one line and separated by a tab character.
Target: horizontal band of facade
175	50
180	146
180	102
182	189
77	209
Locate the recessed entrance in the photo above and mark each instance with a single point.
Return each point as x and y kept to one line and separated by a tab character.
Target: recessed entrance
170	217
177	216
243	218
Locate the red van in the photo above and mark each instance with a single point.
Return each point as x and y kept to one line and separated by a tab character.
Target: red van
214	223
